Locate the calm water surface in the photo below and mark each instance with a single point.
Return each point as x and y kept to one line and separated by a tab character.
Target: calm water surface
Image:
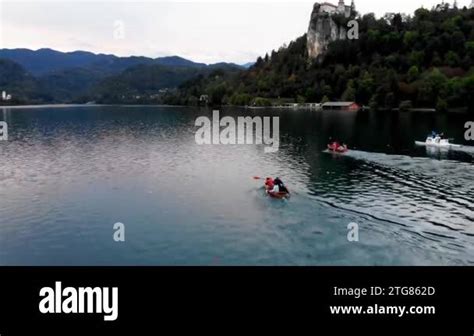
68	174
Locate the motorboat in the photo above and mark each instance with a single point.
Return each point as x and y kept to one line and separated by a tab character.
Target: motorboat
437	142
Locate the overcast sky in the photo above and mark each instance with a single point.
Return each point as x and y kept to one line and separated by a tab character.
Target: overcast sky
207	32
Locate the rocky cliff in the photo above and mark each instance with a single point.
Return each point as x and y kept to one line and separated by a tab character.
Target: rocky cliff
322	30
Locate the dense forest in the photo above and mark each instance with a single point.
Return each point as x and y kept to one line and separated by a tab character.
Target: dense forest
424	60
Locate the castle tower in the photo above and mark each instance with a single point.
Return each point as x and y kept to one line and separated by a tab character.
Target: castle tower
341	7
353	5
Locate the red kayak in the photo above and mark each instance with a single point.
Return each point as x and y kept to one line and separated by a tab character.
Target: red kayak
337	148
278	195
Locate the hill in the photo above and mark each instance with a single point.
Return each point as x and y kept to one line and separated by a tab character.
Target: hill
424	60
45	61
81	76
151	83
26	88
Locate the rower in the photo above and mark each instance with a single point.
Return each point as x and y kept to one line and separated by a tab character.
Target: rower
269	183
281	185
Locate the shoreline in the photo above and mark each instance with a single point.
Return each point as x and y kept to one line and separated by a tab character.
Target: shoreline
38	106
464	110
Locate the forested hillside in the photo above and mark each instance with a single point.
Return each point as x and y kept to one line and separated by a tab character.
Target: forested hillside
49	76
14	78
424	60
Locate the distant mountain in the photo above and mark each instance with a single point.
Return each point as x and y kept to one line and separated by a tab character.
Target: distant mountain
64	77
43	61
247	65
177	61
225	66
46	61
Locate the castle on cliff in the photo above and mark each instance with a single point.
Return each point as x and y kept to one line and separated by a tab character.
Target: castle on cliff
341	8
323	29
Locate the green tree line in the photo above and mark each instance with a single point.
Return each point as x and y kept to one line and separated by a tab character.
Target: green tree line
423	60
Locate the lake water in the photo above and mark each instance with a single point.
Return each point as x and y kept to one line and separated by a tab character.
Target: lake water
67	174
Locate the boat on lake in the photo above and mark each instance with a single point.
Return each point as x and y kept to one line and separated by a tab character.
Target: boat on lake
437	141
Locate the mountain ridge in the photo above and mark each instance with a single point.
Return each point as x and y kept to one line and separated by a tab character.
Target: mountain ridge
46	60
81	76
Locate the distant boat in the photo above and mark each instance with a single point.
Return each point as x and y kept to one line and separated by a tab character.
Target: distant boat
336	148
437	142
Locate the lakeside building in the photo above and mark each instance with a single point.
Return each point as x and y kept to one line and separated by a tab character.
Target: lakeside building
204	99
6	96
342	106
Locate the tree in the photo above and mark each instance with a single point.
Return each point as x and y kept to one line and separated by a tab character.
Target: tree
327	90
470	48
217	93
262	102
409	38
365	88
300	99
413	73
441	105
432	86
452	59
350	92
416	58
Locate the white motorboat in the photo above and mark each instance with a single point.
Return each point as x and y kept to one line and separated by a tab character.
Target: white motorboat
437	142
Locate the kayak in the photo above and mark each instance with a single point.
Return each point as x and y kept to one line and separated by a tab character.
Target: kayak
340	149
437	142
278	195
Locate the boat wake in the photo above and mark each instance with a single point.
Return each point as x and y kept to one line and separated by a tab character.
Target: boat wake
445	147
428	198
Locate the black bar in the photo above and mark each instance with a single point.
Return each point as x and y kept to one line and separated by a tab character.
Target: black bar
204	298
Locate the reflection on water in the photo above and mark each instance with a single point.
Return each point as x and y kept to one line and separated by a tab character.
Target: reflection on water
68	174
